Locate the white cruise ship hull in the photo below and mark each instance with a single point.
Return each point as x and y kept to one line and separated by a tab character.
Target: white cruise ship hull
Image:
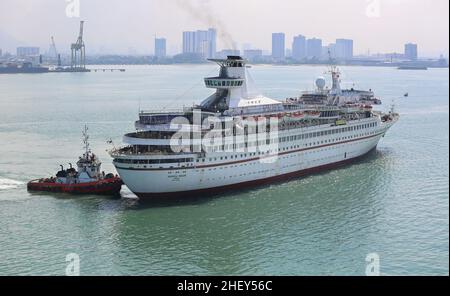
247	172
259	139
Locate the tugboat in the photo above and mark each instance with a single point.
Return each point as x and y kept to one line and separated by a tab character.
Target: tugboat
86	179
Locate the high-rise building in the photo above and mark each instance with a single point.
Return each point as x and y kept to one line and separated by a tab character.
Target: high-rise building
299	48
314	48
27	51
188	42
344	49
278	46
329	52
160	47
200	42
411	51
212	38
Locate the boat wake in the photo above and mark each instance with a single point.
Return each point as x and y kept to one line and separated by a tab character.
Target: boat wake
6	184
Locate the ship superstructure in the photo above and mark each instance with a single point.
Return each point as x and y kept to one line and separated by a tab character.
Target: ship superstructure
238	137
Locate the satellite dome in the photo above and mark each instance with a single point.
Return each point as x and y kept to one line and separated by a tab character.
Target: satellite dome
320	82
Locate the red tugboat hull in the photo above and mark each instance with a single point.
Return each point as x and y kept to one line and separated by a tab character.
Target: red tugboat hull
109	186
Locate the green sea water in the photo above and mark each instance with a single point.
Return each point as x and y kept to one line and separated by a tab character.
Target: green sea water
394	203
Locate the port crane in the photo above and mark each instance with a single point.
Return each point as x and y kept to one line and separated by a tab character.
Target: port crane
78	58
53	52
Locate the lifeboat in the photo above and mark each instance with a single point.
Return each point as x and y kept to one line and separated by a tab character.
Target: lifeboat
86	179
298	114
312	114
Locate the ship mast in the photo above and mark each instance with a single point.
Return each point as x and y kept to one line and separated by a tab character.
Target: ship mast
336	80
86	142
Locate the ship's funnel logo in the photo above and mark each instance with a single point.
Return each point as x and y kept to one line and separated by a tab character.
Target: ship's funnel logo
73	8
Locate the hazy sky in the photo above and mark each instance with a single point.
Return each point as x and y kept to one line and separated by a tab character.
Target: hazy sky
118	25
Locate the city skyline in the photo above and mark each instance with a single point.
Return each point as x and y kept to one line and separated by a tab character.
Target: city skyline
201	44
109	32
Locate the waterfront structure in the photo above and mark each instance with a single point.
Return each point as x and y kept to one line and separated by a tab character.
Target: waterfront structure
411	51
27	51
278	46
23	67
314	48
160	47
299	48
237	137
78	53
344	49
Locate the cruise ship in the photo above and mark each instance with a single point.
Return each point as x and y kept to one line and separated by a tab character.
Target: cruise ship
237	137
